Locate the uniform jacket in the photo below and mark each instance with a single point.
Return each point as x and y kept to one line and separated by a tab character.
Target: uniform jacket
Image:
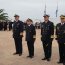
60	31
17	29
47	29
30	32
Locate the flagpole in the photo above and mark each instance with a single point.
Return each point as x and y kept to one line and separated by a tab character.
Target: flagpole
45	8
57	9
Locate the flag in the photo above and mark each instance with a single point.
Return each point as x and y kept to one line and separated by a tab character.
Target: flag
45	10
57	11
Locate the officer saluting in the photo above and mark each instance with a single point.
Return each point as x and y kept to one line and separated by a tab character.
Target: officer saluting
60	34
18	34
30	37
47	33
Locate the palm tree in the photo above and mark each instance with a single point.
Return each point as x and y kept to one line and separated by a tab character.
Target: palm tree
3	16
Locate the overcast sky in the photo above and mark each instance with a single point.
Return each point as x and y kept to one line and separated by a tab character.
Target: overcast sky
32	8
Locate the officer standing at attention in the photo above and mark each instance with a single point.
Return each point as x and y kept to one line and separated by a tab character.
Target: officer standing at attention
30	37
18	34
64	47
47	35
60	37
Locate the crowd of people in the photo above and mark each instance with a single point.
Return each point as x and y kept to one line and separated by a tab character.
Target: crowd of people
6	25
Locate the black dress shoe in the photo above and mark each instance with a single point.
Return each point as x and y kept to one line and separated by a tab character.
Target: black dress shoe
44	59
20	54
28	56
31	57
48	59
63	63
59	62
15	53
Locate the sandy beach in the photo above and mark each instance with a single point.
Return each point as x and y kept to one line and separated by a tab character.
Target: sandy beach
7	48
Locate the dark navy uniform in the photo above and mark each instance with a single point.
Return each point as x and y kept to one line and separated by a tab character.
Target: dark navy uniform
47	31
5	26
17	29
10	25
1	25
60	34
30	33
